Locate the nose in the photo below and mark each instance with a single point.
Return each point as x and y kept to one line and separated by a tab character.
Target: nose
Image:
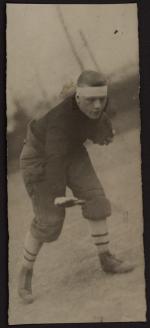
97	104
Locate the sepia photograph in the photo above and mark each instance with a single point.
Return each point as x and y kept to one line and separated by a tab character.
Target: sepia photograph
75	207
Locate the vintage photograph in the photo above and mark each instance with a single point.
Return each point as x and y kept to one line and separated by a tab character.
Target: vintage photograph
75	214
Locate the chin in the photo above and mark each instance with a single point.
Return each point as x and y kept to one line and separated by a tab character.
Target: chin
94	117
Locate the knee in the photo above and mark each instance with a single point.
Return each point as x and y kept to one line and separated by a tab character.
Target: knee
47	233
96	207
54	233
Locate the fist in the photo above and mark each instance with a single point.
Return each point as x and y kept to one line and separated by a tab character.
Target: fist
109	139
104	132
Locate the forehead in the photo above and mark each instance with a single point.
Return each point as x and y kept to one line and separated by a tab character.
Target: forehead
92	91
92	98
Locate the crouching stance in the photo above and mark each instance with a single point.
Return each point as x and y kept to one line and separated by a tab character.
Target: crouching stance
54	157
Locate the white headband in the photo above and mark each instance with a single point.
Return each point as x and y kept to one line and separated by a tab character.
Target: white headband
86	91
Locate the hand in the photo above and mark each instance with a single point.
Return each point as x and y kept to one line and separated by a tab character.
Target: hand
109	139
104	132
68	201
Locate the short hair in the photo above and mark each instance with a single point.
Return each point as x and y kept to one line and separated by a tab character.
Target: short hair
91	78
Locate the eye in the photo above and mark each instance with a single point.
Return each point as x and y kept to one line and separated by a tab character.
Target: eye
89	100
102	98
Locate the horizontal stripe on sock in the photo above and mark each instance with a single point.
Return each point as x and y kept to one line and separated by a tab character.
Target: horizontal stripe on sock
100	235
29	260
102	243
32	254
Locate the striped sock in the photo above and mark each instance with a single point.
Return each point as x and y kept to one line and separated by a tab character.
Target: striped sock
99	232
31	249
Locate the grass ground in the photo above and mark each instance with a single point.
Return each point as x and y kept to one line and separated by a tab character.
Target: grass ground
68	284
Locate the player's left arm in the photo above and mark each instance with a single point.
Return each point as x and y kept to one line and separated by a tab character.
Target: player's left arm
104	132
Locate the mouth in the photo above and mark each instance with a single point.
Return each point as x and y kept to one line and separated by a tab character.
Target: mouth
96	112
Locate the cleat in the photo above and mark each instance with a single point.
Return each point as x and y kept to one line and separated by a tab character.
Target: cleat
111	264
26	296
24	288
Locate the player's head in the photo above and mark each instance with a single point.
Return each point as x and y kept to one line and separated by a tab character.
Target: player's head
91	93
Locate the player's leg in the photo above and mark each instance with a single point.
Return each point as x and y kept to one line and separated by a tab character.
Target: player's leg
45	227
85	185
32	247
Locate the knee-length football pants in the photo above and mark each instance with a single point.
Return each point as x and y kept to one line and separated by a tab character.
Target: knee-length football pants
81	178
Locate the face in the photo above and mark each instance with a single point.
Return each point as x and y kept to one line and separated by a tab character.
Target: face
91	106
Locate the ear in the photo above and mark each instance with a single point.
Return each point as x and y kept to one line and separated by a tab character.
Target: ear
106	105
77	98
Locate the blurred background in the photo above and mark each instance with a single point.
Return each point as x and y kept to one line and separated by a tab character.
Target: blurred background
47	48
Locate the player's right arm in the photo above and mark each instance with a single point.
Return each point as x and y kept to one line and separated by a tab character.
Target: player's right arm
56	149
